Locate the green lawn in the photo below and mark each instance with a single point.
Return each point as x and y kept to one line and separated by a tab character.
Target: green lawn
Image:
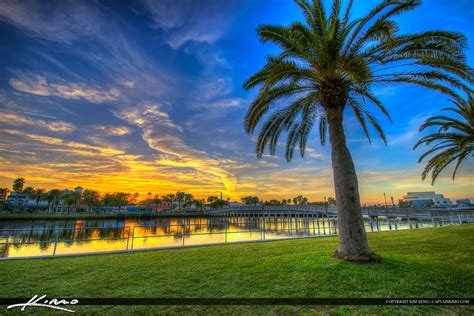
431	262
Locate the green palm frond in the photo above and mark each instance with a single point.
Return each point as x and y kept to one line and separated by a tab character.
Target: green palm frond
332	60
454	139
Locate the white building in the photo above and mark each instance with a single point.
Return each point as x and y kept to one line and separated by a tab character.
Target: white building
424	198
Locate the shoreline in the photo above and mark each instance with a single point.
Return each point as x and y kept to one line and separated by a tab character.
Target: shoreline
93	216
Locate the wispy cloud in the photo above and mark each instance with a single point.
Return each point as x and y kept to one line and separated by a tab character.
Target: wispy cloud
111	130
62	21
12	119
38	85
165	136
188	20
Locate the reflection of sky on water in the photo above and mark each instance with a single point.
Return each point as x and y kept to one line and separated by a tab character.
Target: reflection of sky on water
37	237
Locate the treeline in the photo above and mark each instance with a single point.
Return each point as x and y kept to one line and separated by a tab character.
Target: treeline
90	198
180	199
298	200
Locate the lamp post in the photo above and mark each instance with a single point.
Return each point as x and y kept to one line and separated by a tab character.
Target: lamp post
325	205
385	199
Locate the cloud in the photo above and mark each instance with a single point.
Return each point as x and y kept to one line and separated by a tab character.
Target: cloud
61	21
165	136
215	95
188	20
38	85
211	90
20	120
111	130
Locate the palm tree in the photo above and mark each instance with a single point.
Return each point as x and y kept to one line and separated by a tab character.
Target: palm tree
18	185
53	197
180	197
329	63
454	138
39	195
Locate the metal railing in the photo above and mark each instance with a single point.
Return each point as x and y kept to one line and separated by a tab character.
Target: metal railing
57	239
265	228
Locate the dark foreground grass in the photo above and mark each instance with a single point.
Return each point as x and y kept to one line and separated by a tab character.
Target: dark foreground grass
429	263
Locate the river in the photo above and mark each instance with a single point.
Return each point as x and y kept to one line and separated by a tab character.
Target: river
25	238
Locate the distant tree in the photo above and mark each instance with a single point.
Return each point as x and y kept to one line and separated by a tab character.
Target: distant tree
250	200
283	201
18	185
188	199
132	198
273	202
170	198
39	195
180	198
108	199
199	204
211	199
331	201
405	204
91	198
299	200
219	203
156	201
72	199
29	192
53	197
121	199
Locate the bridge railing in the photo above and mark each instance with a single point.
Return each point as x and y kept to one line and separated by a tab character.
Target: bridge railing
367	211
271	208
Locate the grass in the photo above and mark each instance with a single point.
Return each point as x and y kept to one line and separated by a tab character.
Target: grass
424	263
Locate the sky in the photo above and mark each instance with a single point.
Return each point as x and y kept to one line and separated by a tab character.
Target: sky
146	96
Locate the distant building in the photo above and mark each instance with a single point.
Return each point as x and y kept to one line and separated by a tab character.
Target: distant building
20	201
463	203
3	194
78	189
429	198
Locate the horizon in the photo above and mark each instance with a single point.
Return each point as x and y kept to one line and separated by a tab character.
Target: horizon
147	97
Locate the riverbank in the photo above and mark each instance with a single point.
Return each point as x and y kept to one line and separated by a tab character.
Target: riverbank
424	263
36	216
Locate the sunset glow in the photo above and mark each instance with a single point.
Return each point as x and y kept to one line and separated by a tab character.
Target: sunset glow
147	96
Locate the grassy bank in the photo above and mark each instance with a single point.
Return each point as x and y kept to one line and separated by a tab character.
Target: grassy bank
29	216
432	262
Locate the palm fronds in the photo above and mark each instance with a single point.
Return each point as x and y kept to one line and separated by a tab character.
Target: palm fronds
454	139
332	60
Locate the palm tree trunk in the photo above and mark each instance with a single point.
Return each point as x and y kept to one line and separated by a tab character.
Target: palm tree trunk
353	244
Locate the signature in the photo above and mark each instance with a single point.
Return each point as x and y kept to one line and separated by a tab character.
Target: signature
37	301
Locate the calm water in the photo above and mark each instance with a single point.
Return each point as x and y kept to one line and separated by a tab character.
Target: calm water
59	237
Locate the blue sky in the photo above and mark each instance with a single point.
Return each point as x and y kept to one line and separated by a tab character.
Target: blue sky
147	96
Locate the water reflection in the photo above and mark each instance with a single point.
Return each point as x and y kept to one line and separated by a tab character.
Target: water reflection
58	237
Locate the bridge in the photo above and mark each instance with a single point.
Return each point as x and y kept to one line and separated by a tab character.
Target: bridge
310	210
